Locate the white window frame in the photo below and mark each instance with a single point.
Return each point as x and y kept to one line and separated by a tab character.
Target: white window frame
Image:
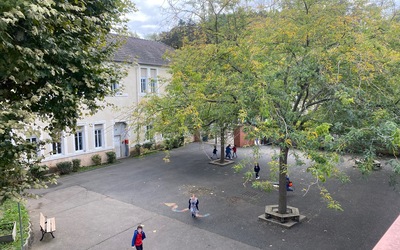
153	81
143	85
55	146
35	139
82	137
147	135
98	138
32	139
116	88
148	80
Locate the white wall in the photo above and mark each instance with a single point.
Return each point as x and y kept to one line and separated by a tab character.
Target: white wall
121	111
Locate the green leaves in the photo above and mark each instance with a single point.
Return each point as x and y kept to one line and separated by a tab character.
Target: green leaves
319	76
55	61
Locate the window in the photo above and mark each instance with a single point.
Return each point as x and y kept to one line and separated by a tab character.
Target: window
143	85
114	86
79	140
98	136
143	80
148	134
57	148
153	80
34	140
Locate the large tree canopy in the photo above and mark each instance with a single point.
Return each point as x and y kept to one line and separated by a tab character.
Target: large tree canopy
55	62
308	74
324	69
203	93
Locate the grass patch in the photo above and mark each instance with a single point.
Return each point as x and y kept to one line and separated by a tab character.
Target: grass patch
9	214
149	152
88	168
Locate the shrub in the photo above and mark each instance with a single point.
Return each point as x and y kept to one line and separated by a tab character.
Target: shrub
64	167
160	146
175	142
137	149
96	159
148	145
169	144
76	164
38	171
111	157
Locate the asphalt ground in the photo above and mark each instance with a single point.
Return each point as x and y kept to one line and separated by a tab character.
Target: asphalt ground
100	209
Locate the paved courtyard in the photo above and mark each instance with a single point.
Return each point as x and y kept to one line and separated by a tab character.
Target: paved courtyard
100	209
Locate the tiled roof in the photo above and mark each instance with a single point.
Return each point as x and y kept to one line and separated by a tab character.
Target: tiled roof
142	51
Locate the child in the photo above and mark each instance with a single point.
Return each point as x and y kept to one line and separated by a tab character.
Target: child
215	153
257	170
234	151
228	152
194	205
289	184
138	237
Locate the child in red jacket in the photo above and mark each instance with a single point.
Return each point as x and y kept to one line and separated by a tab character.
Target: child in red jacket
138	237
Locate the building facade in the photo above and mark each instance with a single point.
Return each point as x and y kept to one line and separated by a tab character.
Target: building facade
111	128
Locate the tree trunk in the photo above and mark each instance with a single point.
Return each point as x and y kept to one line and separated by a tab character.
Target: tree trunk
222	158
283	155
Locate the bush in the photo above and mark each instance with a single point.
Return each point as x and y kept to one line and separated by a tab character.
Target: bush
148	145
111	157
169	144
76	164
160	146
137	149
175	142
96	159
64	167
38	171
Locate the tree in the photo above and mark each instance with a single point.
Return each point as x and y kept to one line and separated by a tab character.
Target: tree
178	35
316	66
55	62
300	73
202	88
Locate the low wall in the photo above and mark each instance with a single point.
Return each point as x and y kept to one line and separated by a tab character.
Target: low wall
86	159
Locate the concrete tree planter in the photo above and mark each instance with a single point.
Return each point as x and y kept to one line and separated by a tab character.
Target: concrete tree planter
291	218
8	232
218	162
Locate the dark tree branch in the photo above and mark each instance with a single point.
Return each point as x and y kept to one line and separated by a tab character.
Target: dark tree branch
298	99
318	102
305	99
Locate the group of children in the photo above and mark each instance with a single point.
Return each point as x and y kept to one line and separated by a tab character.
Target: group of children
229	152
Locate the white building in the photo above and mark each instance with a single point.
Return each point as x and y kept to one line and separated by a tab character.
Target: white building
109	129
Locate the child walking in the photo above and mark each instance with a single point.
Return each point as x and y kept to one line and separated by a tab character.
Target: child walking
215	153
194	205
228	152
234	155
257	170
138	237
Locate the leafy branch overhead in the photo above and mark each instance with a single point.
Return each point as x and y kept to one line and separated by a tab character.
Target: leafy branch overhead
55	62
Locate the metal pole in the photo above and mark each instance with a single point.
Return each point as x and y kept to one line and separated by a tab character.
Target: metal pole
20	226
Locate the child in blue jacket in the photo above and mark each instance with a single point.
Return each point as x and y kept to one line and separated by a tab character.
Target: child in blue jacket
138	237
